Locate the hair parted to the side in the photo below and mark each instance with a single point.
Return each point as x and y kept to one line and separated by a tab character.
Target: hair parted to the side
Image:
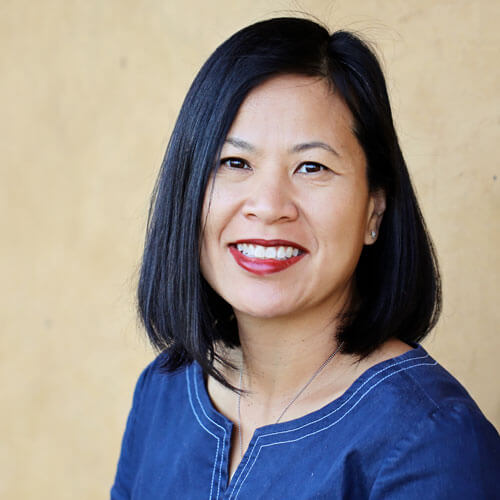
397	279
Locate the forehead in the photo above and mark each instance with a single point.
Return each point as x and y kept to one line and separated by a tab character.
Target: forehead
289	105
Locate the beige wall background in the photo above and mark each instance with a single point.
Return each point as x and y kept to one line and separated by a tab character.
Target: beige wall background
89	91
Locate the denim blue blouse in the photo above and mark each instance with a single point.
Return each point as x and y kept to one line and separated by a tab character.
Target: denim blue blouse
405	429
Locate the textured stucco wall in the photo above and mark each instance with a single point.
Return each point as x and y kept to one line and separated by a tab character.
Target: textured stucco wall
88	94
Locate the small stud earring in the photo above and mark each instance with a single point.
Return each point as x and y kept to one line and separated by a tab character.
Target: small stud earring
373	234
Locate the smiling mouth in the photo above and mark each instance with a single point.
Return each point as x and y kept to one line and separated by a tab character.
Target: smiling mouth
265	257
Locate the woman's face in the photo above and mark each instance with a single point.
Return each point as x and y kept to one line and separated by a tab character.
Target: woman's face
289	209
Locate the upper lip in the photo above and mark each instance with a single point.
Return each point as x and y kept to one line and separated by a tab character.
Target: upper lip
270	243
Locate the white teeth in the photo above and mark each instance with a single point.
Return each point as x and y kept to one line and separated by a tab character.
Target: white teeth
270	253
261	252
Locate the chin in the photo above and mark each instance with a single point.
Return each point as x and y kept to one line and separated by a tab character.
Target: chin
265	309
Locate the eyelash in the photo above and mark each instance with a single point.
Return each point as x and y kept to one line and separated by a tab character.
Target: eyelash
227	162
312	164
243	165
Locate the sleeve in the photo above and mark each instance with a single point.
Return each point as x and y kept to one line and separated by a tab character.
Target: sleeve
453	454
130	449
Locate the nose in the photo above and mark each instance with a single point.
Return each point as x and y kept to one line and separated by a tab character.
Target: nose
270	199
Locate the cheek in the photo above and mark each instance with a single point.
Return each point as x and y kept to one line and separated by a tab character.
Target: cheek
217	215
207	233
211	214
340	207
220	210
341	223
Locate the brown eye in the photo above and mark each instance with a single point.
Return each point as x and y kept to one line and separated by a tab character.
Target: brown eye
311	168
234	163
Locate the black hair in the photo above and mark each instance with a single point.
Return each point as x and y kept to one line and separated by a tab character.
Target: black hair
397	278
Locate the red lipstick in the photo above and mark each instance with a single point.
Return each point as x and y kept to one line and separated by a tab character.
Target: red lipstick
265	266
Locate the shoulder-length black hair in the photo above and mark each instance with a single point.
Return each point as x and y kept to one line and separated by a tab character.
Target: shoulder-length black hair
397	277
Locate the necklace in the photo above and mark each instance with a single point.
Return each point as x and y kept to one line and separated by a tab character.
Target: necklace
307	384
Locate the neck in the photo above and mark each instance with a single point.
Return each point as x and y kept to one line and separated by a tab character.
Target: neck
279	356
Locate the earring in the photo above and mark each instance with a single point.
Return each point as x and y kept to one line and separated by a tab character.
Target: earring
373	234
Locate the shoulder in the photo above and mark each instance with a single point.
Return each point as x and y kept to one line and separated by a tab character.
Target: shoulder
416	383
419	392
154	379
454	452
157	407
404	394
159	392
441	446
160	398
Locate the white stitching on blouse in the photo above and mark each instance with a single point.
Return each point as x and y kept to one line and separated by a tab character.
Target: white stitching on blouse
216	424
199	421
325	416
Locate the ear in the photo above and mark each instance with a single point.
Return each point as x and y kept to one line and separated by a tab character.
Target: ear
376	209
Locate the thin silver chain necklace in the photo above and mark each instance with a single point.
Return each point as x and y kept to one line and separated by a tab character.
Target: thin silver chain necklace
308	383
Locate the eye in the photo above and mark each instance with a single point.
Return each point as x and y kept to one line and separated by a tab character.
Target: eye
234	163
311	168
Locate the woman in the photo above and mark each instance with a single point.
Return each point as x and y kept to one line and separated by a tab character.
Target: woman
287	278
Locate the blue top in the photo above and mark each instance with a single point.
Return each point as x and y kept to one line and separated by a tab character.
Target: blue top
405	429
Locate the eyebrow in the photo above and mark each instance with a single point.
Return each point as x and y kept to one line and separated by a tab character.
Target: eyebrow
240	144
298	148
312	145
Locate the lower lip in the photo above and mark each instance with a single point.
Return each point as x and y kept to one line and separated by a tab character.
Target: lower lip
263	266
